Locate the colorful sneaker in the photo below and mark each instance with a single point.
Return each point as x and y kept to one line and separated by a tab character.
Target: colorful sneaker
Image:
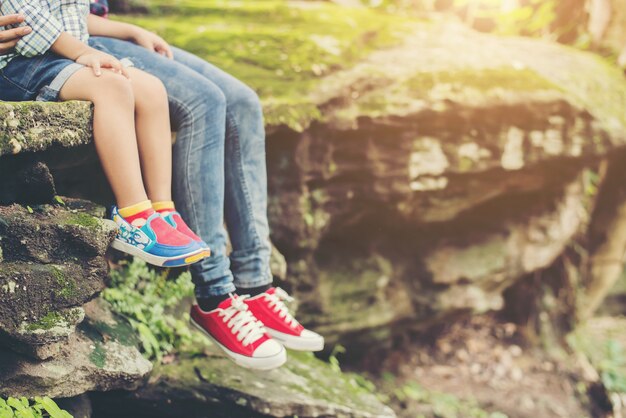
156	242
270	308
239	334
173	218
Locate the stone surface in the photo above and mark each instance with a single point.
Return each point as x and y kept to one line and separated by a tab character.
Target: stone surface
44	338
100	356
52	263
27	182
52	234
437	176
464	277
27	127
210	386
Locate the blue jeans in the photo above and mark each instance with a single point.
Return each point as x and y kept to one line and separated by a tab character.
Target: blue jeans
219	165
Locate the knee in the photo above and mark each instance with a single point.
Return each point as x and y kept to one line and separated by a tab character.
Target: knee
113	88
149	92
207	98
244	99
213	96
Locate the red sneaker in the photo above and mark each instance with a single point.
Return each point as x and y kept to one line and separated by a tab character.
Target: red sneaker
269	308
239	334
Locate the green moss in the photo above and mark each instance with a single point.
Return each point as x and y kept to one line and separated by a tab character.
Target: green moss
469	86
303	374
49	321
484	80
67	286
82	219
280	49
121	332
98	356
315	370
53	319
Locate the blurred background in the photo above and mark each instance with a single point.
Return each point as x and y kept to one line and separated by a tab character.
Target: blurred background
447	203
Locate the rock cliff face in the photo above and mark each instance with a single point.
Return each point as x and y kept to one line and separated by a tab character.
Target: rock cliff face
446	169
52	264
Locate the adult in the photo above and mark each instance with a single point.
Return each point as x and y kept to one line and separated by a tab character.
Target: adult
220	176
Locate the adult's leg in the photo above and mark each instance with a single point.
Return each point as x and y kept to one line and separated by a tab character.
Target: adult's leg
114	129
198	113
246	175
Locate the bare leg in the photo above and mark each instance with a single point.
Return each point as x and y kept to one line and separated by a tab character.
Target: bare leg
152	120
114	129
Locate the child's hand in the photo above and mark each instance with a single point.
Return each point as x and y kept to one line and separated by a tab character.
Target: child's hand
98	60
152	41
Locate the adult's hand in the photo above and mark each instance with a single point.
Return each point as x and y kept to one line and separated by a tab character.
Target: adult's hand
152	41
10	37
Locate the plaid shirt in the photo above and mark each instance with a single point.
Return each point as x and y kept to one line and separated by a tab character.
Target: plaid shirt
48	18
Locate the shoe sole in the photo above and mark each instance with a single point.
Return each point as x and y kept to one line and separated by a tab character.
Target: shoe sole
182	260
262	363
296	343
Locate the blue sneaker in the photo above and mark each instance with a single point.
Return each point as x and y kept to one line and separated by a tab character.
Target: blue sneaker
156	242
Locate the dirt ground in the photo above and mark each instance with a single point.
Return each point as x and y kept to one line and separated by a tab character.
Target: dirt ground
478	369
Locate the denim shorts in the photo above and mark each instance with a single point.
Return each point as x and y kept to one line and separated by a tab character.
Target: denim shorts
40	78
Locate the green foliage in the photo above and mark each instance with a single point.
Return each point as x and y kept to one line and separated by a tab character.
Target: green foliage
605	352
280	49
38	408
612	367
333	360
532	19
144	296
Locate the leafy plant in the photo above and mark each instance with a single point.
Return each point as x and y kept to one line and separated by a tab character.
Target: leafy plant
146	298
333	360
602	346
613	367
40	407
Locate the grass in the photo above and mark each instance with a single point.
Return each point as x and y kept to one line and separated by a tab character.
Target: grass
280	49
602	340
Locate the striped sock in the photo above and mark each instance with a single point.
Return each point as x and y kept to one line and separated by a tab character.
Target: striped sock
164	207
137	214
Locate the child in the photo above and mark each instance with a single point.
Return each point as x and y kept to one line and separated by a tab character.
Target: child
130	123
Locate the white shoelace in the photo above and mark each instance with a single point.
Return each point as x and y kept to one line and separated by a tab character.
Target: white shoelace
241	321
278	306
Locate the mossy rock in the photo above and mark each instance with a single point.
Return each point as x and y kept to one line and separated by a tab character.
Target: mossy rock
53	233
191	386
36	126
94	358
44	337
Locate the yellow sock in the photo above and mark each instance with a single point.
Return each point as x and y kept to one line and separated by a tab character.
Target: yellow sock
131	211
164	206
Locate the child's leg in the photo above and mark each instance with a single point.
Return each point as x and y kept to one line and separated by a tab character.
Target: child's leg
114	129
155	147
152	121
